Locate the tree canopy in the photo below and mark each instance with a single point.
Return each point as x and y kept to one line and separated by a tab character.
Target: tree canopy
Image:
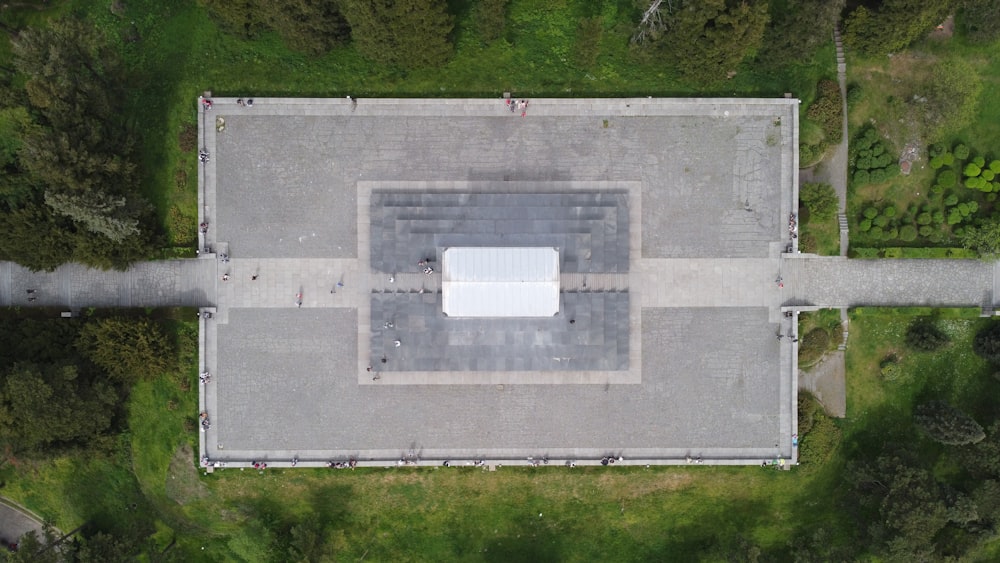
312	26
820	199
791	33
948	425
69	173
706	40
879	27
405	33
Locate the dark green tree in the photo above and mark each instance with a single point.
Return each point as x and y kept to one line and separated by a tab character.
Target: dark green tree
404	33
80	150
984	239
41	405
987	343
820	199
126	349
979	20
879	27
908	503
490	17
706	40
240	17
798	27
312	26
926	336
948	425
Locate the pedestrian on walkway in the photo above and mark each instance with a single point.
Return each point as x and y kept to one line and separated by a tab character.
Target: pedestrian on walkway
225	277
31	291
253	277
32	298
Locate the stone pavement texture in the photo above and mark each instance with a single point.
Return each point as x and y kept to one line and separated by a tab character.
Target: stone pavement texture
697	358
326	207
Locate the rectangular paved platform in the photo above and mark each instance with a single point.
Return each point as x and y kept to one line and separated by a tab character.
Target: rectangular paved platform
671	217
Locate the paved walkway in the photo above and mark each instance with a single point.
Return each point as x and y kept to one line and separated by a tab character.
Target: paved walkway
691	282
15	521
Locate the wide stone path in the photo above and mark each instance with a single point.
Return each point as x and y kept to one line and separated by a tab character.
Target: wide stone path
807	280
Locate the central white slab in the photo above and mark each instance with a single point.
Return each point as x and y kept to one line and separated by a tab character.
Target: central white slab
500	281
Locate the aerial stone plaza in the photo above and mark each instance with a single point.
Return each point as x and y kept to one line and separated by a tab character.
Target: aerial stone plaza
561	281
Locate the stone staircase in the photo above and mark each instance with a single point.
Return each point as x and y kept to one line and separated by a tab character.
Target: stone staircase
841	62
590	229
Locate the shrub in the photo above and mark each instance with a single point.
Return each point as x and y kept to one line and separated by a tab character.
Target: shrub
948	159
819	443
979	161
961	151
924	219
187	137
490	19
987	343
963	208
889	368
588	41
954	216
995	166
939	217
948	178
877	233
855	94
871	212
889	211
827	109
972	170
881	221
926	231
936	162
935	150
987	175
865	225
860	177
820	199
813	345
948	425
926	336
908	233
951	200
890	234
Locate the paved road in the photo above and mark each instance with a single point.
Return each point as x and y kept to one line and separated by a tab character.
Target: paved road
16	521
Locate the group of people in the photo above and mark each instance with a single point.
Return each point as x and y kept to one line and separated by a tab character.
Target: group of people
205	422
514	105
793	226
248	103
204	377
351	463
203	155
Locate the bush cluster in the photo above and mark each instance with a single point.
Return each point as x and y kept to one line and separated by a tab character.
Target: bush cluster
827	110
871	161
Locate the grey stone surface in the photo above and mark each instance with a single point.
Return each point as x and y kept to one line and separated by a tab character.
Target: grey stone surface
589	229
596	339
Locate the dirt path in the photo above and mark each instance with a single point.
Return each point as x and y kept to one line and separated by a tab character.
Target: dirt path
827	381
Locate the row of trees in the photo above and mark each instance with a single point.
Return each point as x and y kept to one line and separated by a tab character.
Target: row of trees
69	189
62	382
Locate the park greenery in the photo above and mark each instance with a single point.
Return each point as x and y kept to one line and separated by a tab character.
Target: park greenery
98	414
